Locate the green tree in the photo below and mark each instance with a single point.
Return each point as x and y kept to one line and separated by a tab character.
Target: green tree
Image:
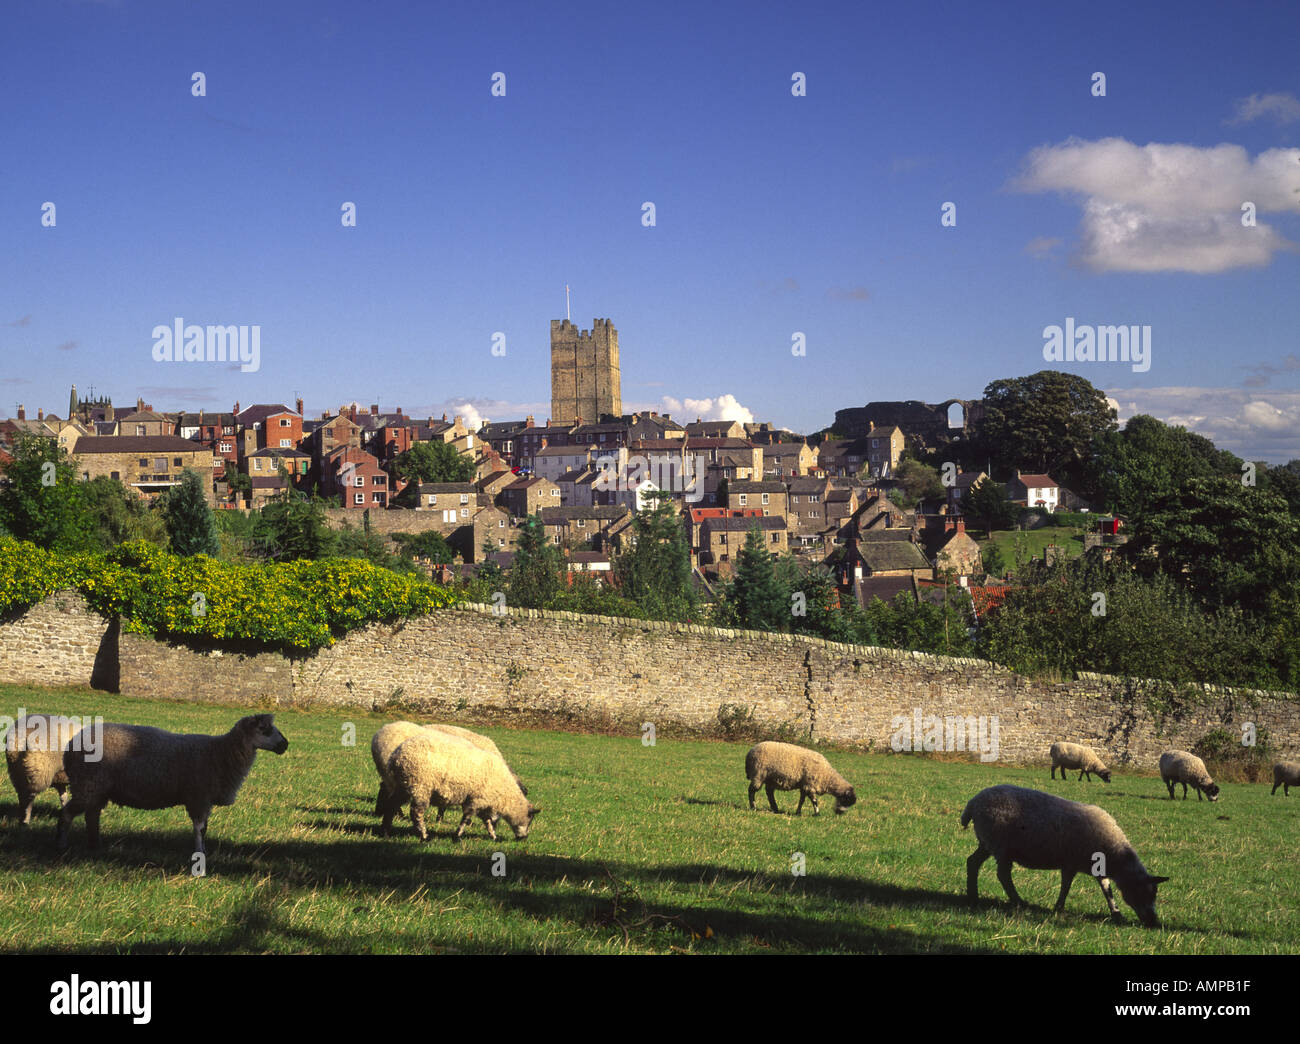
994	561
536	577
191	528
292	527
239	484
917	482
989	505
117	515
656	572
1050	422
42	500
759	602
1150	460
433	461
429	544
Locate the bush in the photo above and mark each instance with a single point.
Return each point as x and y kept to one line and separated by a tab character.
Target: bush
291	606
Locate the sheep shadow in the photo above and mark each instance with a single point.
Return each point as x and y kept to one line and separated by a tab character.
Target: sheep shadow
541	886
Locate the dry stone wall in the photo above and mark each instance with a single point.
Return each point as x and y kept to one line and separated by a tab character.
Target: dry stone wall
531	666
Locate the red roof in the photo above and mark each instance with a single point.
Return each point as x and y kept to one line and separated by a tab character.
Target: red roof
990	597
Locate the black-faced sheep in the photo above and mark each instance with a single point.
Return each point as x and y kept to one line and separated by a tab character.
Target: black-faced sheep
436	768
784	766
1077	756
1044	832
1286	774
1178	766
34	752
142	767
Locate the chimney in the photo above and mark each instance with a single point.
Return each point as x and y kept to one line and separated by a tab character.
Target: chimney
108	412
40	413
528	422
399	411
236	411
668	416
22	413
139	405
444	418
298	403
352	412
460	421
374	410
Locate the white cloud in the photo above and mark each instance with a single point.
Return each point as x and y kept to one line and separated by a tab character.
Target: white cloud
1249	424
723	407
1281	106
1158	207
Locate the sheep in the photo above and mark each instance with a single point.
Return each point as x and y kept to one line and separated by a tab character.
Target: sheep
1286	774
142	767
1045	832
1178	766
382	745
784	766
392	735
437	768
1077	756
34	752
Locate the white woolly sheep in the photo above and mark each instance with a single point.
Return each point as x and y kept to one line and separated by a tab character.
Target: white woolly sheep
142	767
34	752
391	736
1286	774
1077	756
437	768
1178	766
1044	832
382	745
784	766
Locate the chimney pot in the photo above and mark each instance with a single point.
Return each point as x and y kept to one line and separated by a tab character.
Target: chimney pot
40	412
22	413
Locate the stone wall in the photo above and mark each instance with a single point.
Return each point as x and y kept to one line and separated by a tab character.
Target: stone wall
528	666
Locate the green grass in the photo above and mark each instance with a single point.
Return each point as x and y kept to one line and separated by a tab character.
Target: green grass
640	849
1068	538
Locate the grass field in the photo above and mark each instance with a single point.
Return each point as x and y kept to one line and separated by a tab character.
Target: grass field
637	849
1068	538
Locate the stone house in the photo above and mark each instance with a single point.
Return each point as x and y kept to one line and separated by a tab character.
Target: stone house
148	464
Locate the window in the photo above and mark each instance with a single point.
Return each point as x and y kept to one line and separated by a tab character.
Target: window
378	480
160	464
501	541
114	475
177	462
464	512
582	523
814	498
433	499
225	447
358	498
794	499
765	496
743	499
359	480
228	430
139	429
286	422
501	523
257	463
377	498
775	538
813	513
555	492
464	498
285	443
449	515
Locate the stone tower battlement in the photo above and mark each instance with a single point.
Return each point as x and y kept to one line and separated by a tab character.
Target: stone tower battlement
586	383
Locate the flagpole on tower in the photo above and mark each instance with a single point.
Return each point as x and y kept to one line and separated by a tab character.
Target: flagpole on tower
566	302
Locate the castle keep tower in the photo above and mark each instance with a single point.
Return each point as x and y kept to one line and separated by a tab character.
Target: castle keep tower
585	379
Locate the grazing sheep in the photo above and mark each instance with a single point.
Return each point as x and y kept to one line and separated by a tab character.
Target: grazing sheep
1177	766
784	766
483	743
1077	756
437	768
391	736
382	745
34	752
1044	832
142	767
1286	774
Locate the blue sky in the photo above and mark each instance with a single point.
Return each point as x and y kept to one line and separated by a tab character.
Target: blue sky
773	213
